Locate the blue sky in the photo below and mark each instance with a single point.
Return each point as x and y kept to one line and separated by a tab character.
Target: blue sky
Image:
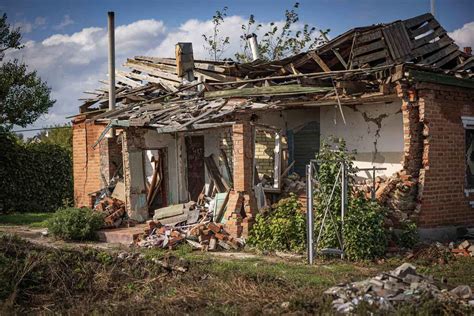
338	15
65	41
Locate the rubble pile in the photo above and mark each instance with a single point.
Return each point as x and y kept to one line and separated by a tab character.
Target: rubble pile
398	193
293	183
402	285
464	249
435	253
113	210
207	236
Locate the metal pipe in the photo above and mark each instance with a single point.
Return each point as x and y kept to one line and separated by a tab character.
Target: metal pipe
309	213
343	202
252	38
111	28
432	2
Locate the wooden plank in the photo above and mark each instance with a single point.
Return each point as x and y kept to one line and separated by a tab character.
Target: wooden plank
172	62
319	61
303	60
369	36
440	54
272	90
151	69
418	20
447	59
368	48
371	57
432	25
214	76
121	76
195	165
398	41
426	39
465	64
426	49
441	79
167	84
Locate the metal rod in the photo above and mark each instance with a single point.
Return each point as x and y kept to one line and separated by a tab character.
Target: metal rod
309	213
343	202
111	27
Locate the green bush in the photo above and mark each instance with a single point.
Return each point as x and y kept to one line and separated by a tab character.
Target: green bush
34	177
75	224
364	234
283	228
408	236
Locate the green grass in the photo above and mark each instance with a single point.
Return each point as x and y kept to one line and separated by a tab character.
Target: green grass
35	220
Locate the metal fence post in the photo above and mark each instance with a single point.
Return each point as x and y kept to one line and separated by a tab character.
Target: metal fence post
343	201
309	213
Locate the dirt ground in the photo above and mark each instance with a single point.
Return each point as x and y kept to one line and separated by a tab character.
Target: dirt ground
40	275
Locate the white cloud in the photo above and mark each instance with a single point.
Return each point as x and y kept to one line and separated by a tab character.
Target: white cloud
464	36
28	27
73	63
65	22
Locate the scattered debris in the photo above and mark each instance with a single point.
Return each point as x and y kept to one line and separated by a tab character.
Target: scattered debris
397	192
206	236
402	285
113	210
294	184
464	249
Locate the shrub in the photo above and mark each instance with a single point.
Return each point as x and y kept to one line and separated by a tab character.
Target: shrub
34	177
75	224
408	236
283	228
364	234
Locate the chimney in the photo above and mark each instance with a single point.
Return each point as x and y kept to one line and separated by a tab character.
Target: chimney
111	27
185	61
252	38
468	50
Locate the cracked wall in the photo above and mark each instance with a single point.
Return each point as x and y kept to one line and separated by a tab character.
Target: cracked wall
375	131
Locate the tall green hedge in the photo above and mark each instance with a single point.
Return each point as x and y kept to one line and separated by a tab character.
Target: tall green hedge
34	177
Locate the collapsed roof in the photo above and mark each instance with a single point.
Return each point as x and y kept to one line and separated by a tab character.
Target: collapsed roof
355	64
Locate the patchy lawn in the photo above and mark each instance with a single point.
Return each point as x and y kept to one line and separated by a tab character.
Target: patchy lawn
40	279
35	220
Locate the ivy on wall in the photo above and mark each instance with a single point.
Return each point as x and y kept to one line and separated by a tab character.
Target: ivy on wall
34	177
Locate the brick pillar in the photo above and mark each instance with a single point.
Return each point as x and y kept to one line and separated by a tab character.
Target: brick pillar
86	160
242	205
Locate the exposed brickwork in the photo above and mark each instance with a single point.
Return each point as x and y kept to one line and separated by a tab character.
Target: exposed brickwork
242	200
442	178
86	160
264	152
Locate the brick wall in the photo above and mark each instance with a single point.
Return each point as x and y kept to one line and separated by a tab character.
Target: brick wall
264	152
442	177
86	160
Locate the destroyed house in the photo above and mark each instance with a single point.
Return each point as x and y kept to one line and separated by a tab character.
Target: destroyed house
240	134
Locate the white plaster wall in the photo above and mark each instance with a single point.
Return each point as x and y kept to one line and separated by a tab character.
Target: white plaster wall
360	134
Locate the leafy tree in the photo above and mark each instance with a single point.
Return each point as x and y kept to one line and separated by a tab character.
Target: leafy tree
215	43
23	95
277	43
280	42
61	135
